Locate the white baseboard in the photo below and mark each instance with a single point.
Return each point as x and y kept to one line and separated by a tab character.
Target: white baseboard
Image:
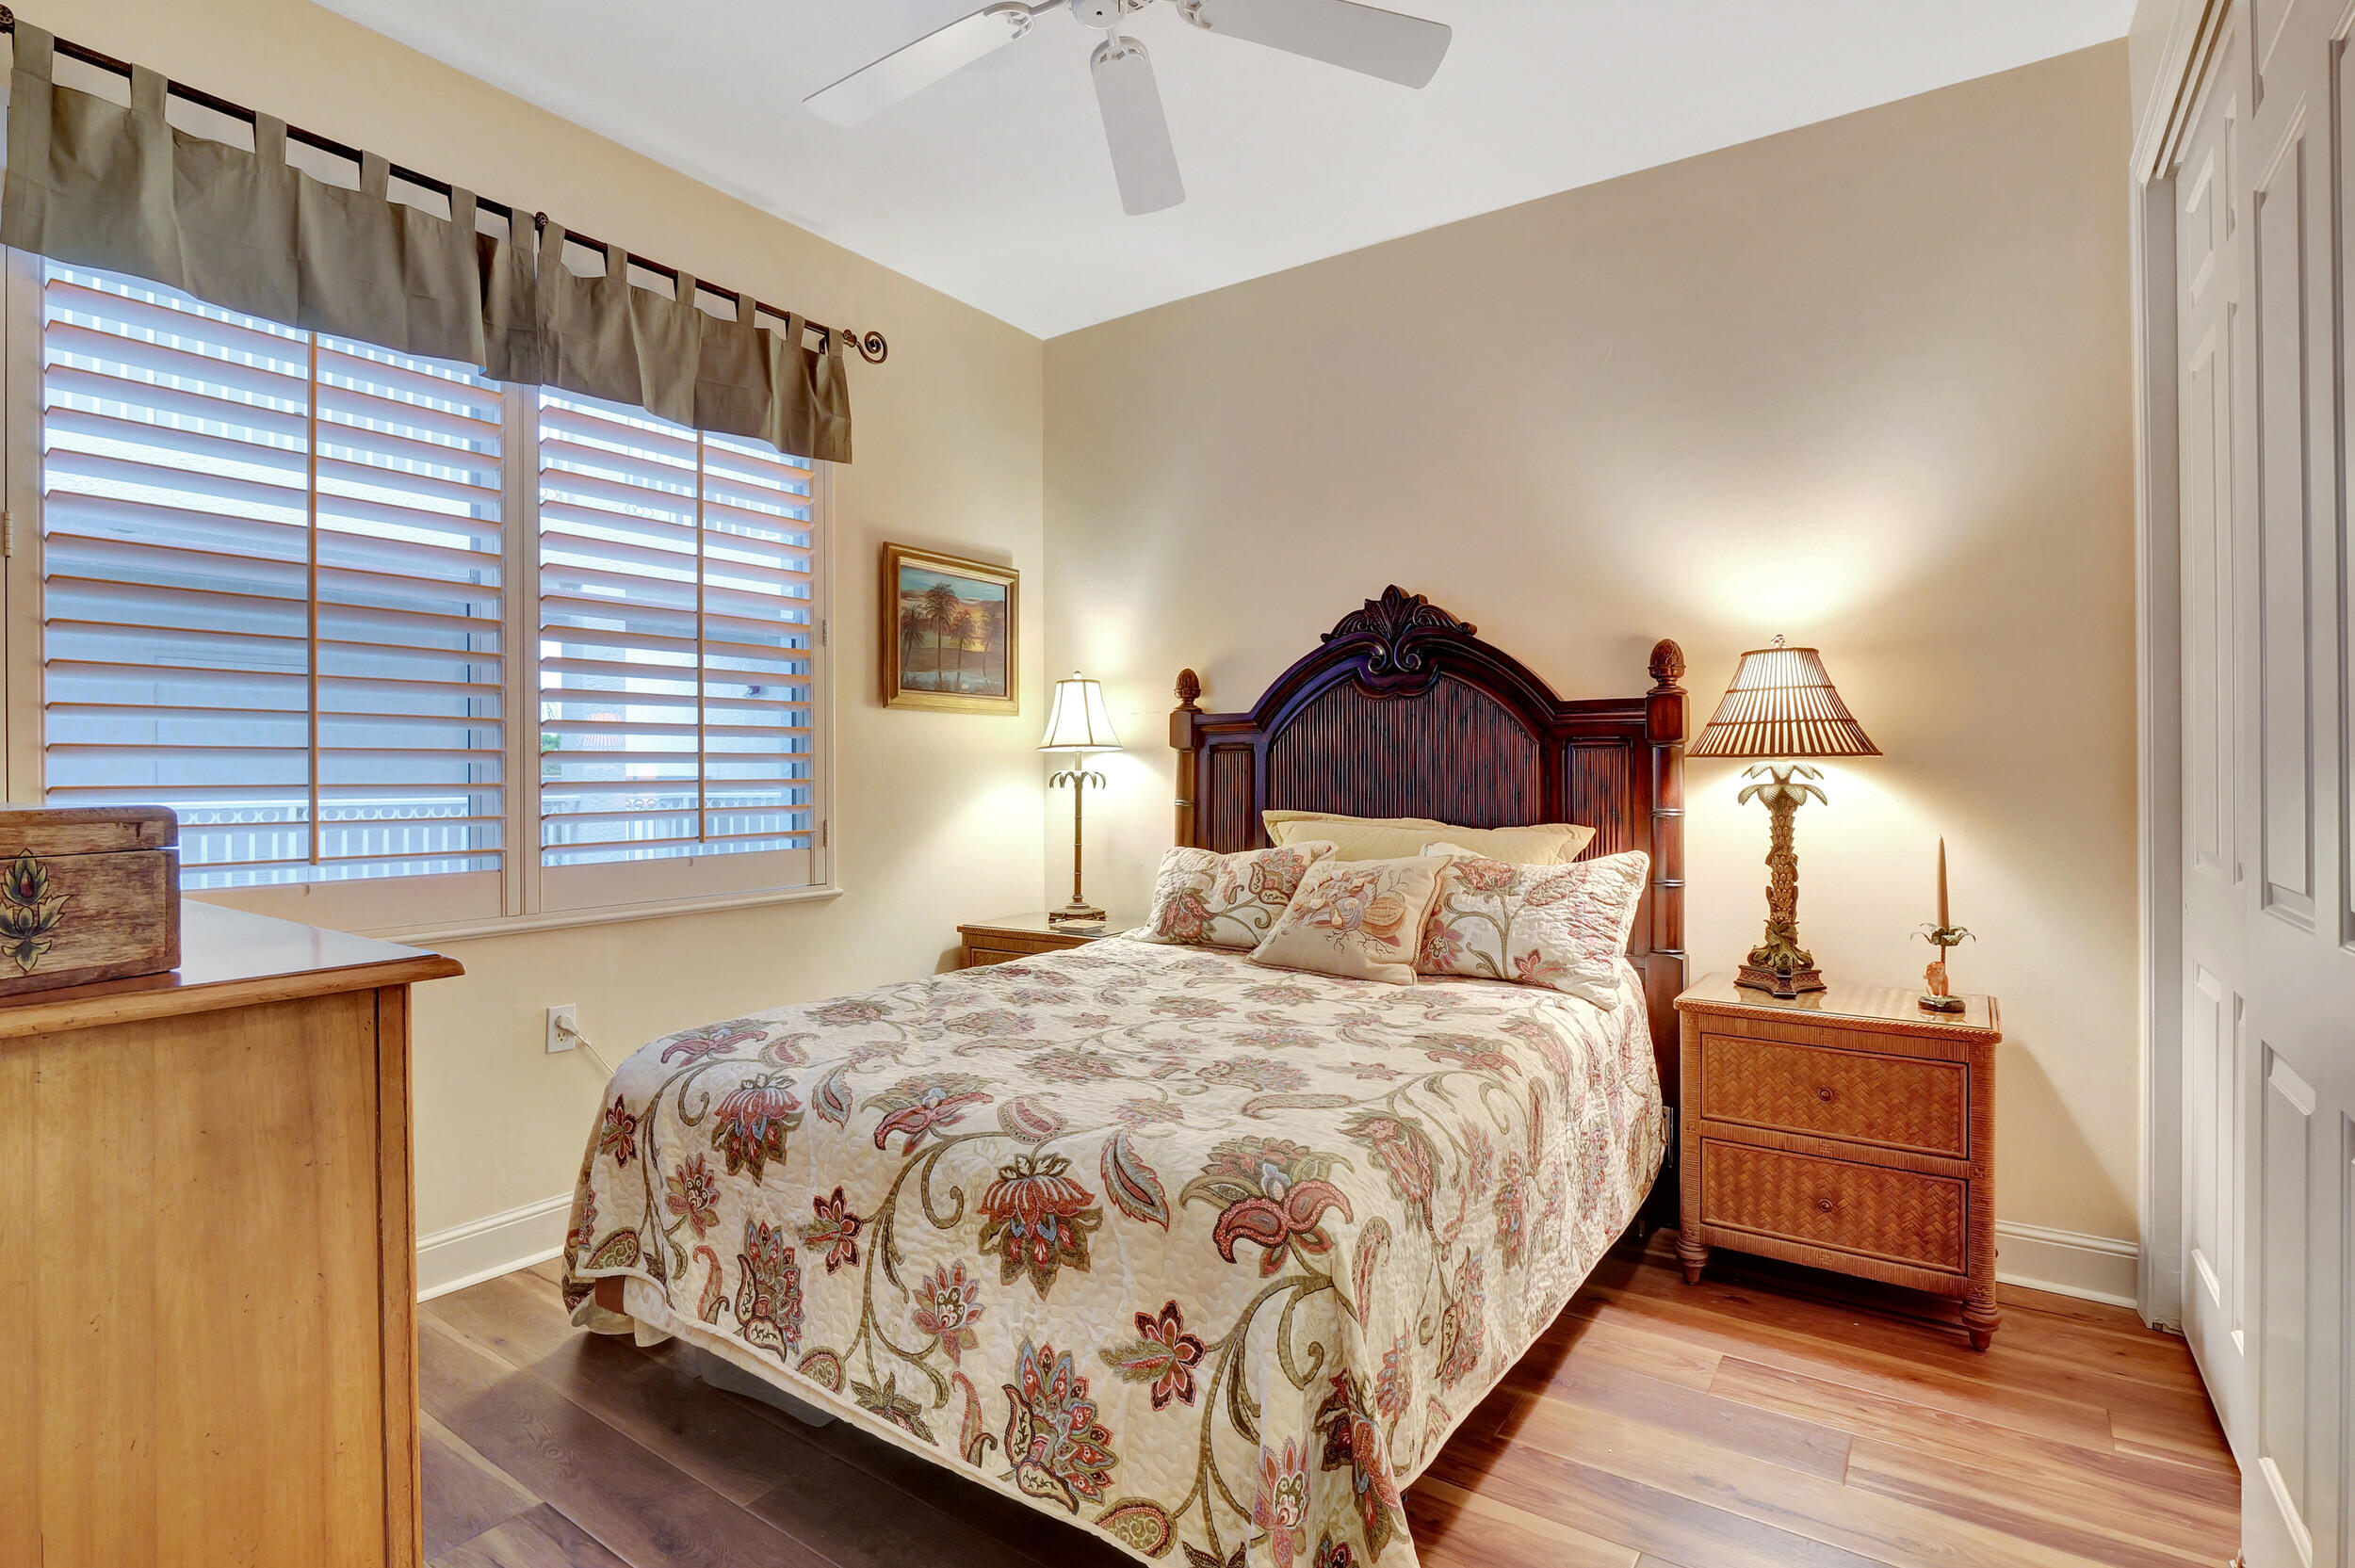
2069	1263
487	1248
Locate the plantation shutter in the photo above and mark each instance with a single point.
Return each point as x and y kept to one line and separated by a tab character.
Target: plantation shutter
271	590
677	647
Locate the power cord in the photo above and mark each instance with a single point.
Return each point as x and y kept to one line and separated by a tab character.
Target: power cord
566	1031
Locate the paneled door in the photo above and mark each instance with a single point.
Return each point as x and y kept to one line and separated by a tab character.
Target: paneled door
2263	183
2210	320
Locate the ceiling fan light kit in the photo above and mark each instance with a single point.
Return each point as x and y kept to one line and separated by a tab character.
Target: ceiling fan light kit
1365	39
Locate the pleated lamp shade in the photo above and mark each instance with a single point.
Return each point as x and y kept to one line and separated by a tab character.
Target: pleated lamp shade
1782	704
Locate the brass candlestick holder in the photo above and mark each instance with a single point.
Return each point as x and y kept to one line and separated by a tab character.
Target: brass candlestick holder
1936	995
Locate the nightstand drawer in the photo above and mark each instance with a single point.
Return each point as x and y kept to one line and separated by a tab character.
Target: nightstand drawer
1899	1216
977	957
1914	1103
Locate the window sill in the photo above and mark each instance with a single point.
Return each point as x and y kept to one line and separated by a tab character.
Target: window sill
517	925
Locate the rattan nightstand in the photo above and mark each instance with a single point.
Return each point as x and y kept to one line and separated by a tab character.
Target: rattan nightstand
1025	936
1847	1129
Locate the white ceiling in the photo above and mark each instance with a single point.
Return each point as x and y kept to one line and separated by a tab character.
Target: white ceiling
995	187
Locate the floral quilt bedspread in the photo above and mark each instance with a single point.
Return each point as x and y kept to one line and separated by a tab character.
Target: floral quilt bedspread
1206	1256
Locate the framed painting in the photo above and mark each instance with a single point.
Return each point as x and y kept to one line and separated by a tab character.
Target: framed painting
948	630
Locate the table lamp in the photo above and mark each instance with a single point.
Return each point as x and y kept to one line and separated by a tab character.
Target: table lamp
1781	705
1078	726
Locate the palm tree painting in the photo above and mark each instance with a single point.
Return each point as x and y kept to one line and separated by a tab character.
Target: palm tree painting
947	637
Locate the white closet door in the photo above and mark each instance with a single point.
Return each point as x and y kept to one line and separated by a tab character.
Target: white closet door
2264	190
2210	318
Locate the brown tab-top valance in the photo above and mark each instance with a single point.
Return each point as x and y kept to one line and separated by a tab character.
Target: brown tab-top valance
97	184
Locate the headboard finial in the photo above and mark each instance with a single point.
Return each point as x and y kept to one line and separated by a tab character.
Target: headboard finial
1390	623
1189	688
1667	665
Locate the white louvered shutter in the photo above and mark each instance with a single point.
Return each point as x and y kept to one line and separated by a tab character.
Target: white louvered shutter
677	660
272	592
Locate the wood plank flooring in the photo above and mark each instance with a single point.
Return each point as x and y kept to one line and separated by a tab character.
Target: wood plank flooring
1769	1417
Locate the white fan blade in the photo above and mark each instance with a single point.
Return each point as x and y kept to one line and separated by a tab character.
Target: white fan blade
867	91
1134	123
1403	49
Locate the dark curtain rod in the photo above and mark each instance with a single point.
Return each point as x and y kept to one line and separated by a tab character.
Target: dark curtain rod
871	346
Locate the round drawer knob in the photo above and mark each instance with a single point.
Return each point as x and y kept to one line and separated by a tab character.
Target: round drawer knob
1823	1093
1827	1204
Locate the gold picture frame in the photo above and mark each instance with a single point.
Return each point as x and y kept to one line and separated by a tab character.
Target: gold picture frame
937	608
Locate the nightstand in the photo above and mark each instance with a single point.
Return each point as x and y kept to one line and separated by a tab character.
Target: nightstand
1847	1129
1025	936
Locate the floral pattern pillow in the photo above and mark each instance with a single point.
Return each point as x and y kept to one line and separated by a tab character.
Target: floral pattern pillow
1565	926
1360	919
1202	899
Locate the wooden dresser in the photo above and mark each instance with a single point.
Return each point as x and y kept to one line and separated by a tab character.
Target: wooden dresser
207	1257
1025	936
1847	1130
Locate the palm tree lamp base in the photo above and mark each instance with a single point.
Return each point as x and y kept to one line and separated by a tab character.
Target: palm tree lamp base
1079	912
1779	964
1783	984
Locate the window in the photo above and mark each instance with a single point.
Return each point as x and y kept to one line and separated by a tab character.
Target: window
677	654
274	594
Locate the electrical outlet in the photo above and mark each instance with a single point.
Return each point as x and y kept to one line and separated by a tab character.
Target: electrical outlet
563	1026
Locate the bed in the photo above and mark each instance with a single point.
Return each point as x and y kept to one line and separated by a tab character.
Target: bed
1206	1257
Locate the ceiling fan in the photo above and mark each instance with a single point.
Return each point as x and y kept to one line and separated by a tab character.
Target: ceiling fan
1403	49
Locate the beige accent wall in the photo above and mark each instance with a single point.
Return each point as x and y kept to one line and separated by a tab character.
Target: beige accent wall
1865	384
939	814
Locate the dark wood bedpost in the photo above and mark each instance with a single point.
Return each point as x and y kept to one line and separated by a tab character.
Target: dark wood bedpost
1664	730
1181	737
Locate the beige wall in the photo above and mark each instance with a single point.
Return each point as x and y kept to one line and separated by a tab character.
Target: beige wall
1865	384
938	815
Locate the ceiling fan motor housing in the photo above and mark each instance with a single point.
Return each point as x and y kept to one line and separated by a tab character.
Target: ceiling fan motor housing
1105	13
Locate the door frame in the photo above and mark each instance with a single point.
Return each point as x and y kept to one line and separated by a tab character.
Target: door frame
2192	32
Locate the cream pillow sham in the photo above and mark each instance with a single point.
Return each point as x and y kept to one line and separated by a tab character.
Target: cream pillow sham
1404	837
1565	926
1360	919
1205	899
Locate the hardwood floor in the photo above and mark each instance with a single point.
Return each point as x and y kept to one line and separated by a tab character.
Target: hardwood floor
1766	1419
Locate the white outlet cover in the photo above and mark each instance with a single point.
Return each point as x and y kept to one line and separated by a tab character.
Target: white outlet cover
569	1014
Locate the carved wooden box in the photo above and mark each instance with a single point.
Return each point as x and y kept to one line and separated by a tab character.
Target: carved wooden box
86	893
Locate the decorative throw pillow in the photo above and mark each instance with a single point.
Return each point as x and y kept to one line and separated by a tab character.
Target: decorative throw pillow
1204	899
1399	837
1360	919
1560	926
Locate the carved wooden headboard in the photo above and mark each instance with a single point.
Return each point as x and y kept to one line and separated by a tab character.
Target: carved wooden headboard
1404	712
